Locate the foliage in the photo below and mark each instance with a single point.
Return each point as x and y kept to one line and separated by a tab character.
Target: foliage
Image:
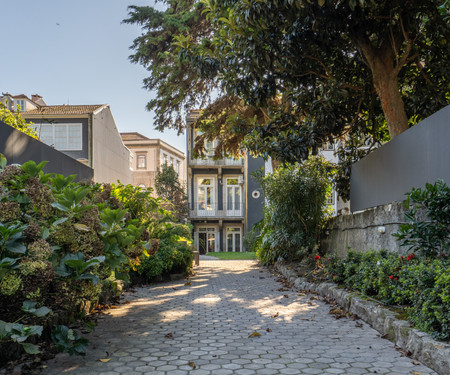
427	230
169	187
420	285
284	77
249	240
61	244
174	254
295	211
16	121
68	341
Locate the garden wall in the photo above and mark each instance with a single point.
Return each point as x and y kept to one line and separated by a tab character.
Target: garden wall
365	230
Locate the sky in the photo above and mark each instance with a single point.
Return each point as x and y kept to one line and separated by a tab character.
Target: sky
76	52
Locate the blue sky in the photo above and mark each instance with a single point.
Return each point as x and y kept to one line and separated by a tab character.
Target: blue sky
76	52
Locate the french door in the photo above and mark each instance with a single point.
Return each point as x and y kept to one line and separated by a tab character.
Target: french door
234	197
234	239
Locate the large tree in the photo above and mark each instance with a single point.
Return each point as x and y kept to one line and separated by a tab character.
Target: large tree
288	75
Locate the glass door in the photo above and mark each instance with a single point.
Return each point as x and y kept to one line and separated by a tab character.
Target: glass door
234	201
205	197
207	240
233	239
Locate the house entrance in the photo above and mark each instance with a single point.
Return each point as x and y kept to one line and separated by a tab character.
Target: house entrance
206	240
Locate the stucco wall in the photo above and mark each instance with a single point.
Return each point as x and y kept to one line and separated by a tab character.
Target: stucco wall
365	230
111	159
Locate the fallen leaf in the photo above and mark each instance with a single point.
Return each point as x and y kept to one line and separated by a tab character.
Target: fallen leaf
268	330
302	295
104	360
415	363
286	296
254	334
276	315
169	335
174	288
126	302
359	325
81	227
187	283
309	303
192	364
416	373
113	307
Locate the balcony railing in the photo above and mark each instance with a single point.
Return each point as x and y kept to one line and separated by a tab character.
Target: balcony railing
219	162
212	210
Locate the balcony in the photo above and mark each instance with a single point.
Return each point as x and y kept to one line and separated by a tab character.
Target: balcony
212	211
220	162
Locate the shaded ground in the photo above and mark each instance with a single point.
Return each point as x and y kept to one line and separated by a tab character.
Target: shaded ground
204	328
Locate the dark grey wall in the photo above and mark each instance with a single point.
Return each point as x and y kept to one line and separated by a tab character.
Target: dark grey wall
417	156
18	148
254	205
84	153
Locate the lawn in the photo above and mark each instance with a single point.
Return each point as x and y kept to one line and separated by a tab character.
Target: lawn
236	255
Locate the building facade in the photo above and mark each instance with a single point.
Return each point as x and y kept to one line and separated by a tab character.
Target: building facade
147	157
224	200
87	133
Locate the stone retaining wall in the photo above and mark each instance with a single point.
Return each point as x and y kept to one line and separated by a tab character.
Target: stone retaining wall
365	230
422	346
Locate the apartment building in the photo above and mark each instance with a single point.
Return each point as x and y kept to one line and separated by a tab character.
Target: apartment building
147	157
225	202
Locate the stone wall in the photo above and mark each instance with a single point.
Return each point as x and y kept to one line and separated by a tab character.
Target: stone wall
365	230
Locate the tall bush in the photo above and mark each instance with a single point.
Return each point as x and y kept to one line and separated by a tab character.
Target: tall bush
295	210
427	215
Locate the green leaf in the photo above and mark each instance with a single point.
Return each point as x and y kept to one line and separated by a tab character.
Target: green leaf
3	162
30	348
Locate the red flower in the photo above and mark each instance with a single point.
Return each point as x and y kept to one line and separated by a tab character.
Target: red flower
401	257
317	257
328	259
410	256
335	275
391	277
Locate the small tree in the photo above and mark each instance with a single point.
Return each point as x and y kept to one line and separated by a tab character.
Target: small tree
16	121
295	211
169	187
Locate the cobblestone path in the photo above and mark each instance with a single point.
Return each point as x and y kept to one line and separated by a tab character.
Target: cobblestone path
171	328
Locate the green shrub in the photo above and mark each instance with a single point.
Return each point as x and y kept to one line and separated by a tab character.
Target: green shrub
295	211
427	230
419	285
249	240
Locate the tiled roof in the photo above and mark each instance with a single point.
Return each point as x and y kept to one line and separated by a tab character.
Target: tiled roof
134	136
63	110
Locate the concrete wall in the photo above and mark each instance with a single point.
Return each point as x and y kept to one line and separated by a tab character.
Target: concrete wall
111	159
417	156
19	148
365	230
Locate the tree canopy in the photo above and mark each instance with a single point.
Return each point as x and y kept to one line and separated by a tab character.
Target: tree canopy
283	77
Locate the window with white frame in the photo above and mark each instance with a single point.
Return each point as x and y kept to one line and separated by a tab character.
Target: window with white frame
332	198
61	136
21	104
141	161
205	196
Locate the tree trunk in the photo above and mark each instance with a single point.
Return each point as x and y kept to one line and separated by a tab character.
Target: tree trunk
385	81
386	85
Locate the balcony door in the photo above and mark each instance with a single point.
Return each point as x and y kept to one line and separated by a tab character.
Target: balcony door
205	197
234	197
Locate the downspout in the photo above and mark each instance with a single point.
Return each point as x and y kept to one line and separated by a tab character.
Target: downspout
91	142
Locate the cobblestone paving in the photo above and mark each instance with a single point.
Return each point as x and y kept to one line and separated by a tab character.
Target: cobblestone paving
170	328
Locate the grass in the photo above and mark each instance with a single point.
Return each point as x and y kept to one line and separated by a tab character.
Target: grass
235	256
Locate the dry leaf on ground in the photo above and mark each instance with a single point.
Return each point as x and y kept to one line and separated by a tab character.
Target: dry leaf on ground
254	334
192	364
104	360
187	283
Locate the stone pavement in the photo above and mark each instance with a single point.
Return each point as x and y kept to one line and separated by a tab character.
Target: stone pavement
203	329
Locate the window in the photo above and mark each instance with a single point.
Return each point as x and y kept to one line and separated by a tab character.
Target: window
233	197
141	161
328	146
331	198
164	159
21	104
61	136
178	167
205	197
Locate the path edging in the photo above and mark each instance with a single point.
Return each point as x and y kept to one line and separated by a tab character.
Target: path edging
421	345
